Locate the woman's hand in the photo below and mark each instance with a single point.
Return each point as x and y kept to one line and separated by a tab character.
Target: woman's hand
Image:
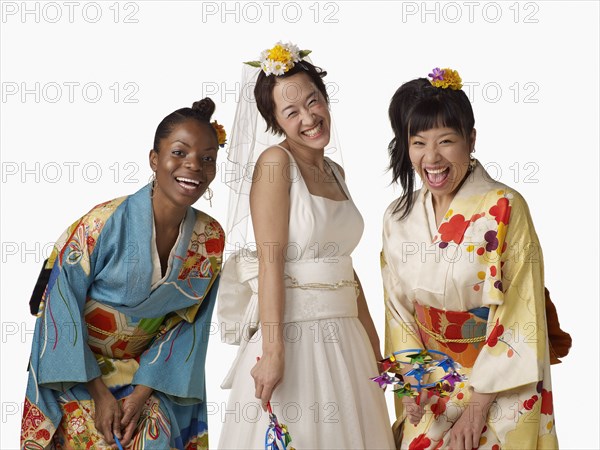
132	408
267	374
414	412
466	431
107	416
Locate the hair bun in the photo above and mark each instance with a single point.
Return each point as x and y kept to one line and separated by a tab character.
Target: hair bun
205	108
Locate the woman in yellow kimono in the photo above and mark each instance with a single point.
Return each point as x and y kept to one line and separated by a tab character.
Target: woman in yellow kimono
463	274
128	293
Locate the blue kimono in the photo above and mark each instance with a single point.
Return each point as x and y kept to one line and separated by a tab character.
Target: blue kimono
107	312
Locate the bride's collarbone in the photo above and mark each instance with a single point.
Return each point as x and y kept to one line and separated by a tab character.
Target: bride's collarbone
323	184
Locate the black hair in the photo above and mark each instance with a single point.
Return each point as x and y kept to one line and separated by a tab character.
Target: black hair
200	111
419	106
263	91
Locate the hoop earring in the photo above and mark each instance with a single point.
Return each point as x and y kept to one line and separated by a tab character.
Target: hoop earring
208	195
154	184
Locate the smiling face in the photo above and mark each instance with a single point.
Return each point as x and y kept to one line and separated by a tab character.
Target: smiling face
441	158
302	112
185	164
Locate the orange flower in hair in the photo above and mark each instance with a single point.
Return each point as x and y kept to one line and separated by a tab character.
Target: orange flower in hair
221	134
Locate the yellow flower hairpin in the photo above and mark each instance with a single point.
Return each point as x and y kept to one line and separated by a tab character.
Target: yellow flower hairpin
279	59
445	78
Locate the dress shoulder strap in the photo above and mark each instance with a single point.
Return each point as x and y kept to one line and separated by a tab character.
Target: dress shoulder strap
293	173
338	176
292	160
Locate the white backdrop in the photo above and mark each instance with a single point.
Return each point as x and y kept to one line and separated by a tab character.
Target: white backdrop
84	85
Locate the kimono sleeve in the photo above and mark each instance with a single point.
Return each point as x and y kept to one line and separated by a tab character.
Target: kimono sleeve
174	363
400	327
60	356
515	349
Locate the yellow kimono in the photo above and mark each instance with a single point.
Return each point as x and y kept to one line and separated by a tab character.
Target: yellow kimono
473	288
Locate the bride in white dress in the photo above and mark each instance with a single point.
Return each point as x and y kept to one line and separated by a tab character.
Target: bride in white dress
316	341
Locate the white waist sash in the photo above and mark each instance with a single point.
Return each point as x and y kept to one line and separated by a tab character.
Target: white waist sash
316	289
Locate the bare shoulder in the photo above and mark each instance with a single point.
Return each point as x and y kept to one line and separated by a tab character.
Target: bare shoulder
273	154
273	165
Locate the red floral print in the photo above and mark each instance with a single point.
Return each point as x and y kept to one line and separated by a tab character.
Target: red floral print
501	210
215	239
497	331
42	434
71	406
421	442
215	246
451	327
454	330
547	406
454	229
528	404
439	407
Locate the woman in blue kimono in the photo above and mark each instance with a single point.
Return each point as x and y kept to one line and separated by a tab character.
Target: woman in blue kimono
120	341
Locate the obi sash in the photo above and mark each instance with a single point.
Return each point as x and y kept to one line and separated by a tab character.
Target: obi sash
113	334
459	334
316	289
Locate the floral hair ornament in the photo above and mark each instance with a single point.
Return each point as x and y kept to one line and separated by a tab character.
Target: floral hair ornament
422	363
221	134
445	78
279	59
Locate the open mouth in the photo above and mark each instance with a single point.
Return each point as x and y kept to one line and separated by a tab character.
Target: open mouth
437	177
187	183
314	131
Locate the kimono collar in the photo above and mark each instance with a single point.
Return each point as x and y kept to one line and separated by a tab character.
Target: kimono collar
139	233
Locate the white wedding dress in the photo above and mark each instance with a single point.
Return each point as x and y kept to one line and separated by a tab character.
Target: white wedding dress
325	398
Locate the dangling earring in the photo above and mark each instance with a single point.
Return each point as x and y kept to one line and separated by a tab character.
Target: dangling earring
472	162
208	195
153	181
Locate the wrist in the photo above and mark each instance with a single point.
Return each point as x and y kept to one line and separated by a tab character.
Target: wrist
97	388
408	399
272	337
142	391
483	401
273	349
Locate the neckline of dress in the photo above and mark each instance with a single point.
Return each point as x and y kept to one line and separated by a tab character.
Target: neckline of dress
333	170
337	180
327	198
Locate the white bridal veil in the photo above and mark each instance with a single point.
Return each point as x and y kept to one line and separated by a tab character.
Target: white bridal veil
249	139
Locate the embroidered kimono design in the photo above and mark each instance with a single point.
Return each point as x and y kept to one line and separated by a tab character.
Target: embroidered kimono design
473	288
102	315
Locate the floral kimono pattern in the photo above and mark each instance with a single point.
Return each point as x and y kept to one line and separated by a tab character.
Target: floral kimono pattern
103	313
483	258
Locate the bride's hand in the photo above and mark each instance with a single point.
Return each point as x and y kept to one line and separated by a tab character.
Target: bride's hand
267	374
